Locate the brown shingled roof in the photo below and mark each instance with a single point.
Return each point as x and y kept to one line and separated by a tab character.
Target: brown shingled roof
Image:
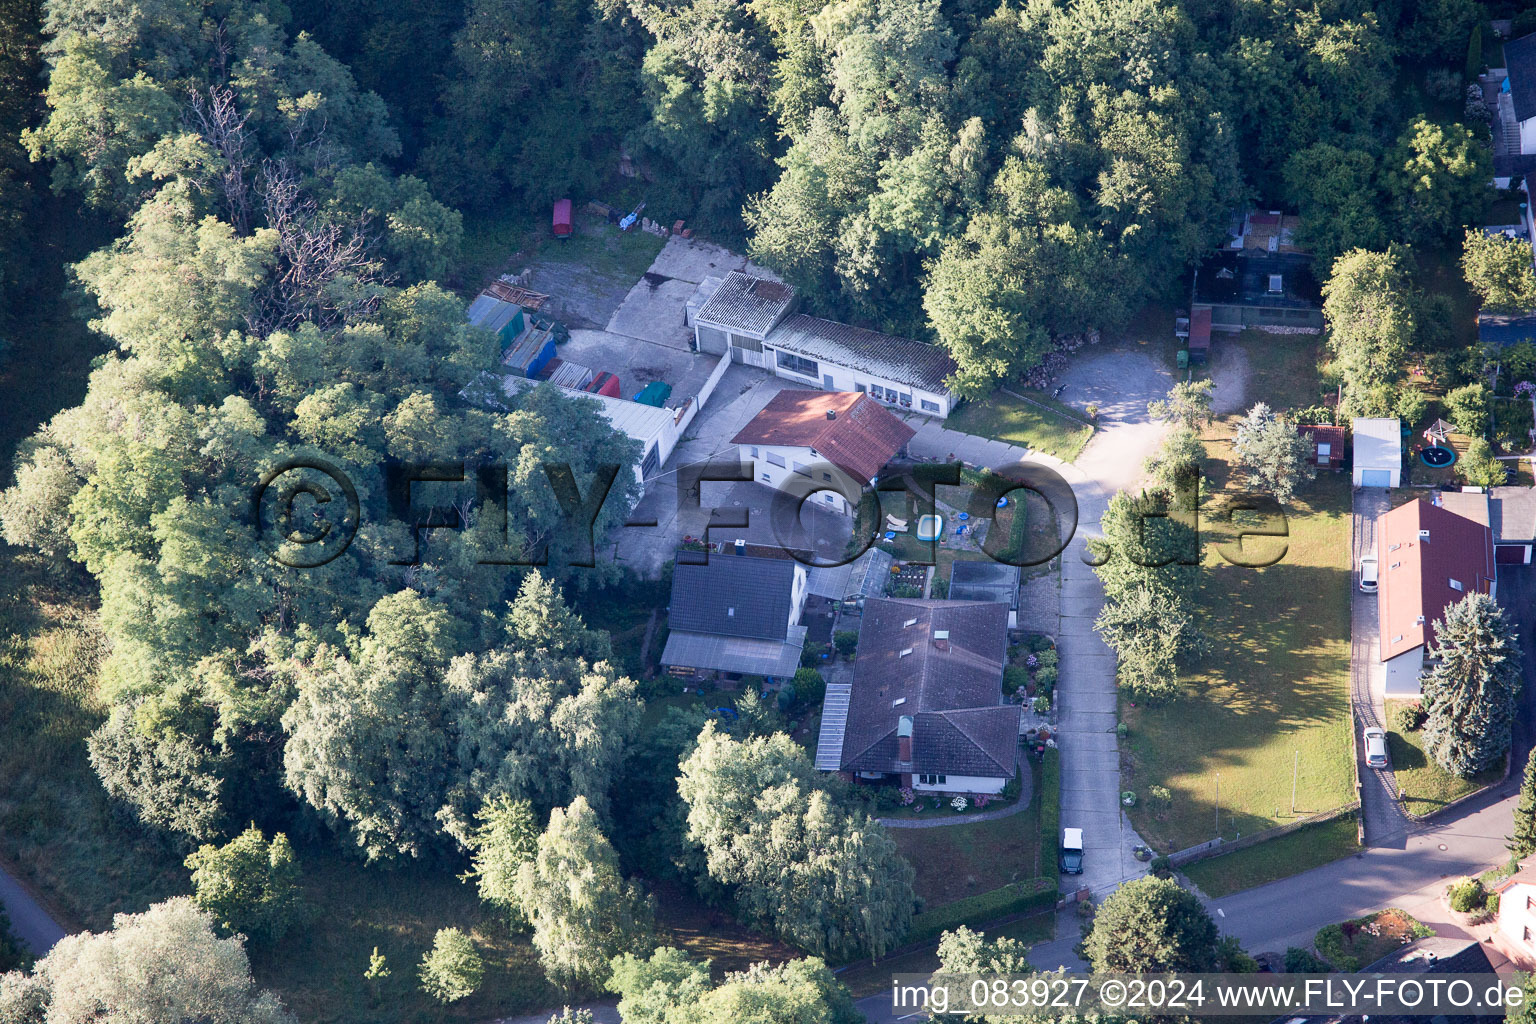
859	438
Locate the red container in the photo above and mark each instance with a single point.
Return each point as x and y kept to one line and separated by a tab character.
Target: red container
605	383
562	218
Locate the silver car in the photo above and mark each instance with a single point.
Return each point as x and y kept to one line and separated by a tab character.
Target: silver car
1376	747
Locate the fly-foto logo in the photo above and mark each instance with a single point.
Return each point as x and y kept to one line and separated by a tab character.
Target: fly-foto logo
306	512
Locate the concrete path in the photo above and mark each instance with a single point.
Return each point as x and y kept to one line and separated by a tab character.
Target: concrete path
29	921
1021	804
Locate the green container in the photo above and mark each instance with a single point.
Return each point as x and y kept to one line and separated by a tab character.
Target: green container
1183	358
655	393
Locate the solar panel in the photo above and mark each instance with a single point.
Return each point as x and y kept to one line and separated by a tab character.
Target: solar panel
834	720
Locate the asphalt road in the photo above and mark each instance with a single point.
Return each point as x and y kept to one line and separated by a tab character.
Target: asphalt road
29	921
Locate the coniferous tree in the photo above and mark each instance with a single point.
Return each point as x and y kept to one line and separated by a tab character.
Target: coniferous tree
1522	840
1470	690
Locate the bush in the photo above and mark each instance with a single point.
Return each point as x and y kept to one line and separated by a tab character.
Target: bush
1045	680
1159	798
1049	796
786	697
1034	895
1015	678
1041	704
846	641
451	969
809	687
1302	961
1162	867
1442	84
1408	717
249	885
1467	896
810	655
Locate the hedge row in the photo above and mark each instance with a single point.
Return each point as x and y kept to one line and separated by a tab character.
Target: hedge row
1033	895
1049	795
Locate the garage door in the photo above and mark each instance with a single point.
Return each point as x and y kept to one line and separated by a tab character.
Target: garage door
1375	478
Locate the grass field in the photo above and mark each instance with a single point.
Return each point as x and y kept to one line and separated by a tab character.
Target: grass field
963	860
1426	786
1273	694
1005	418
1276	858
1356	944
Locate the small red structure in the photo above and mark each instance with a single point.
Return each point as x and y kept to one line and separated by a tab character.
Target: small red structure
1329	444
1200	334
604	383
562	218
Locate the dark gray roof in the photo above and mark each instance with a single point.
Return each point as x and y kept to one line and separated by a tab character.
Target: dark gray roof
746	656
951	687
733	595
902	360
750	305
1435	955
1512	513
984	581
1520	60
1506	328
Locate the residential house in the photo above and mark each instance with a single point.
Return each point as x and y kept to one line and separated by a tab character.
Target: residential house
1514	128
1428	558
1260	278
736	615
824	445
1469	961
1515	936
1330	444
1378	452
925	707
1510	512
754	321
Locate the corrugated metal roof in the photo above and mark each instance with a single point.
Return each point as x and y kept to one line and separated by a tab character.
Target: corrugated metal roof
834	720
750	305
743	655
902	360
492	313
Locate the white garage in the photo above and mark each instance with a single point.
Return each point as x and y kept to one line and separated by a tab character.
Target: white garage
1378	451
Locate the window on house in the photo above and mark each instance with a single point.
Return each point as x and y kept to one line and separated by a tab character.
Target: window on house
859	388
745	343
829	499
890	395
906	400
775	460
932	780
930	406
767	478
1456	585
1527	932
802	469
754	452
826	476
794	364
1530	903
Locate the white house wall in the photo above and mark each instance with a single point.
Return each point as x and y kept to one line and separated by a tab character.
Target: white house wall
1528	135
832	376
774	466
960	784
1402	673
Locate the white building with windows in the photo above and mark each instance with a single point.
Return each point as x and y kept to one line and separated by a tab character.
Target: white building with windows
825	447
753	320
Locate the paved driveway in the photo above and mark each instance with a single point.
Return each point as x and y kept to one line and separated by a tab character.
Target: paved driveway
1385	823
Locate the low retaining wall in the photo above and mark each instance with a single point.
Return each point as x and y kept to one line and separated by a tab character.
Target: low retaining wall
1218	847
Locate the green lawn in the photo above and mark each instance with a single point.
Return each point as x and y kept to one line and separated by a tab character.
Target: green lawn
1005	418
1426	786
508	240
1277	858
866	979
1273	694
962	860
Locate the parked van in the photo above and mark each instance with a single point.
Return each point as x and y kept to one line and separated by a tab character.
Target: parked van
1071	851
1368	574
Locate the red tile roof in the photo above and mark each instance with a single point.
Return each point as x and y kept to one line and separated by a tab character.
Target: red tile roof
1420	550
1336	437
860	437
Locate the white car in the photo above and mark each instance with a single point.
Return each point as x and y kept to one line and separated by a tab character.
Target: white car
1368	574
1376	747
